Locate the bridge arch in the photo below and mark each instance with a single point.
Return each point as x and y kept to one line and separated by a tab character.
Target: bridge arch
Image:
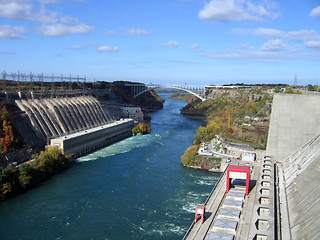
151	87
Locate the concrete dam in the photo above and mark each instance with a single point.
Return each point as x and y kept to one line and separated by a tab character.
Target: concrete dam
294	142
76	125
283	201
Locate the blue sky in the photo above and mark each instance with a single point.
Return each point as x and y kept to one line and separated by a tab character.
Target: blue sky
196	42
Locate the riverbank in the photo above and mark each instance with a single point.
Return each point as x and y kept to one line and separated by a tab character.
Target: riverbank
236	120
15	180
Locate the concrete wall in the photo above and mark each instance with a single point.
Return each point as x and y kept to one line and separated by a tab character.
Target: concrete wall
91	139
303	196
295	119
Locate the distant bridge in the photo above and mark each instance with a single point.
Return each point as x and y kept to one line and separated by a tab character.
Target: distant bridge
138	89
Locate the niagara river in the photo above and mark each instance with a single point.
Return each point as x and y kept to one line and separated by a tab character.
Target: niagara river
133	189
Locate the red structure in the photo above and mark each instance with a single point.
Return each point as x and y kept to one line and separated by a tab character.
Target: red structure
200	210
239	172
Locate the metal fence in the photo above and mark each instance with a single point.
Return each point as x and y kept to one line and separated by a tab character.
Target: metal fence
32	77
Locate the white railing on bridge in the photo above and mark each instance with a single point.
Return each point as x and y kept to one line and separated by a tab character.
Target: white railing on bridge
138	89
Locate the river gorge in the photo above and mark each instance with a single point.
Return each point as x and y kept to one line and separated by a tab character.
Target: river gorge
133	189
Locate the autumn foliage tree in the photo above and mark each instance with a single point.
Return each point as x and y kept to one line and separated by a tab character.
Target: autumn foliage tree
7	135
189	155
142	128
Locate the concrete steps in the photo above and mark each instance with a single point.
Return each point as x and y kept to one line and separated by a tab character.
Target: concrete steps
262	217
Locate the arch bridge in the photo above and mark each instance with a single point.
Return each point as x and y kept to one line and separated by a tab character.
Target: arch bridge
197	91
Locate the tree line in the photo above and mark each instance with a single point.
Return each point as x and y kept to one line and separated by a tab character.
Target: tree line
18	179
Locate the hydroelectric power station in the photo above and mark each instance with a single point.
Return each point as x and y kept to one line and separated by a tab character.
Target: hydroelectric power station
61	111
76	125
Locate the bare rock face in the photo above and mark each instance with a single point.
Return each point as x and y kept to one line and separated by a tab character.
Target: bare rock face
22	123
231	93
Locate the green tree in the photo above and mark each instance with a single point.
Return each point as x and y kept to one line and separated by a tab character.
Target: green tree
312	88
9	181
51	160
29	174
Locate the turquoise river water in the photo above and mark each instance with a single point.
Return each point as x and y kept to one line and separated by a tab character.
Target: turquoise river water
134	189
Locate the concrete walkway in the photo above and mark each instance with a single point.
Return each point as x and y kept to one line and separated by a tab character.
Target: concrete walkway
229	216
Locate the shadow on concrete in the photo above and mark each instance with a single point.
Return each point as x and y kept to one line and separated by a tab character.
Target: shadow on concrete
252	184
207	215
242	183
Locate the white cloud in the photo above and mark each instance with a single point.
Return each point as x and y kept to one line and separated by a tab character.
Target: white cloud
268	32
92	44
52	25
235	10
9	32
218	10
292	43
56	30
197	48
245	46
8	53
107	49
300	36
303	35
76	47
171	44
261	32
135	31
110	33
313	44
23	10
240	31
48	1
315	12
69	20
251	55
274	46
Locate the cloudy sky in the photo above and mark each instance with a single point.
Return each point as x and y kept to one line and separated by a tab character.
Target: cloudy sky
164	41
